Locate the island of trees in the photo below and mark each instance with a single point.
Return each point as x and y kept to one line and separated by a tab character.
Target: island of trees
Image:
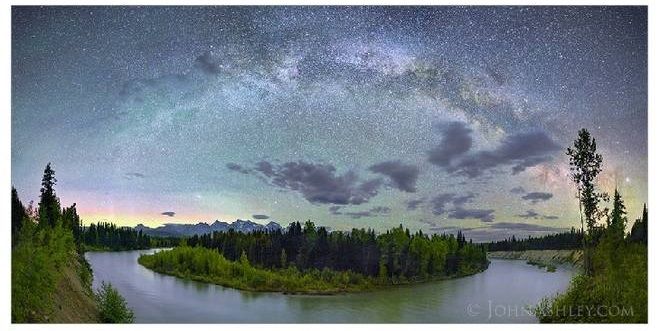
309	259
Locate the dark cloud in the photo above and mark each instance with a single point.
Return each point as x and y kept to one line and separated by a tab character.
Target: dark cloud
535	197
519	151
265	168
414	203
463	199
525	226
440	201
534	215
485	215
260	217
238	168
529	214
375	211
318	183
444	229
518	190
168	213
456	141
335	210
403	176
131	175
500	231
208	64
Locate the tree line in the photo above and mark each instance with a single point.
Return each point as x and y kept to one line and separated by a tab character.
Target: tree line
396	254
565	240
108	236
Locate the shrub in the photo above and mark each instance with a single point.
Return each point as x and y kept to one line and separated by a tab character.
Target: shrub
112	306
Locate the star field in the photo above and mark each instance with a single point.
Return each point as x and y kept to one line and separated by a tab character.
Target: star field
435	117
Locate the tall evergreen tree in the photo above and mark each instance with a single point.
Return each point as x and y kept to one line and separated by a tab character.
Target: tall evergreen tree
49	205
585	165
639	230
18	213
71	220
617	226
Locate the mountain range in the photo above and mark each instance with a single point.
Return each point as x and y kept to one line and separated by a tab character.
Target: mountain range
182	230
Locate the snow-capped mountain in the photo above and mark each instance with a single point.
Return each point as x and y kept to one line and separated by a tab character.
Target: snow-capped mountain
180	230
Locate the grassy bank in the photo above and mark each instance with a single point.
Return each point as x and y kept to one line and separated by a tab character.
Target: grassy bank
51	282
207	265
617	292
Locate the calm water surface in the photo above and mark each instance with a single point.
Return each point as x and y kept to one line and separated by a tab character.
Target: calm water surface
498	295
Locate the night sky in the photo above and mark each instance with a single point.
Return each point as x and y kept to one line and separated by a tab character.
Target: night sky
438	118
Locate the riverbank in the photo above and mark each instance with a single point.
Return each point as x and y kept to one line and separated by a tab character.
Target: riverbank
51	281
206	265
542	257
74	298
160	298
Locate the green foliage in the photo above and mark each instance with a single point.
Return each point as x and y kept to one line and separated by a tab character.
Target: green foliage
37	262
585	165
112	306
46	243
18	215
616	293
616	227
614	287
310	260
71	220
396	255
49	204
204	264
617	289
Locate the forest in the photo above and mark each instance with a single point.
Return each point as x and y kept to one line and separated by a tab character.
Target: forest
345	260
565	240
104	236
48	246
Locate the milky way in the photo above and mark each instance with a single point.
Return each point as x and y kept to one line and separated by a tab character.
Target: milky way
438	118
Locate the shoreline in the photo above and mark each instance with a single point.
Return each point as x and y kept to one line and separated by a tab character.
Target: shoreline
373	286
548	257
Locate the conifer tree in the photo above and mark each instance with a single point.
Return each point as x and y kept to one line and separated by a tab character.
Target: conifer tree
49	205
17	213
617	226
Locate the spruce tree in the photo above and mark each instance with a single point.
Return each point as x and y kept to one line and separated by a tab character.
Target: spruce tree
17	213
617	226
49	205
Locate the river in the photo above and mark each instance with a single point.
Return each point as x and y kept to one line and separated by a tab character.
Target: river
497	295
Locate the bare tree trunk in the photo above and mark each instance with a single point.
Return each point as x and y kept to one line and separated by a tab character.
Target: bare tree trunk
586	254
